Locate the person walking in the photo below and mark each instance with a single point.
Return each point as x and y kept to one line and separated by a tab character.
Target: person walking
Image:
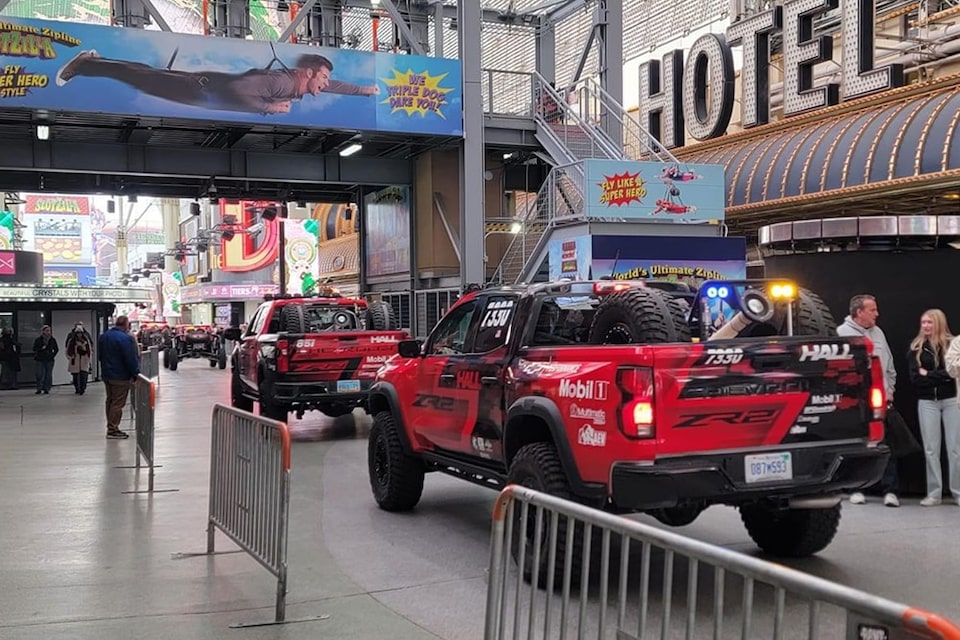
862	322
937	408
45	350
9	359
119	368
80	356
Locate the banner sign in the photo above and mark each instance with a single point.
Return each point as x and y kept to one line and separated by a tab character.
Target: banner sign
73	294
655	192
170	289
59	227
570	258
66	66
210	292
66	277
7	226
387	231
683	259
302	253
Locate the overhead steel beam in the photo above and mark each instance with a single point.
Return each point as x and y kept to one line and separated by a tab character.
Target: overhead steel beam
450	12
566	10
305	11
24	154
155	14
610	44
405	30
584	55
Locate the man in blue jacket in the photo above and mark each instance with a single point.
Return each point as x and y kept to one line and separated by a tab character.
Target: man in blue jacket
119	368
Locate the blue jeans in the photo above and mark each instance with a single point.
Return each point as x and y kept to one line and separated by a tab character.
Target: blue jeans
44	375
940	422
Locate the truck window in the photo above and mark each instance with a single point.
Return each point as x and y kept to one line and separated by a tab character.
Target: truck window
319	318
450	336
494	326
564	320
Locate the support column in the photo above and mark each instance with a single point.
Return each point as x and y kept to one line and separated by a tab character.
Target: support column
130	13
545	51
438	30
170	214
472	205
610	43
238	18
325	26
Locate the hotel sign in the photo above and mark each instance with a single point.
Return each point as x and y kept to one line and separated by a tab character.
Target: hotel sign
698	94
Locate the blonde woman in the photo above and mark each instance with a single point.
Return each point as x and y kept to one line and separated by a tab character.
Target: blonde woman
937	404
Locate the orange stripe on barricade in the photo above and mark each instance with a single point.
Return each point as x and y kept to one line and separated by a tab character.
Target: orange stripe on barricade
930	625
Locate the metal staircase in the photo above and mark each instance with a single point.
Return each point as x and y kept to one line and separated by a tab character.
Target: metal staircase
570	132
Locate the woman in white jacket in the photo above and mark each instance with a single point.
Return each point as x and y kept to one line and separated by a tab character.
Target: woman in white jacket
952	364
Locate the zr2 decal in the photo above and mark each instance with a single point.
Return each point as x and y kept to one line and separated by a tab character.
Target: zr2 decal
753	416
723	356
437	403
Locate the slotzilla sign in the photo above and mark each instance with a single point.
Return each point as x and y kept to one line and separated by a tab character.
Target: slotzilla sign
73	294
698	95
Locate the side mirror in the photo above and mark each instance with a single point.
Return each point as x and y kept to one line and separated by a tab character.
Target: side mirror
233	333
409	348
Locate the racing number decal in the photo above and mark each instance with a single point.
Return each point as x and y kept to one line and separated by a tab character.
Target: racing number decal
723	356
497	315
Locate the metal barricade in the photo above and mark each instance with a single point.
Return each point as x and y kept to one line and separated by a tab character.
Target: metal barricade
143	396
774	601
150	363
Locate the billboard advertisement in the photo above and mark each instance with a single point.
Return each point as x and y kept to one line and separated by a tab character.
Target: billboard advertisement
7	226
301	253
59	227
67	66
570	258
70	276
654	191
672	258
339	241
387	231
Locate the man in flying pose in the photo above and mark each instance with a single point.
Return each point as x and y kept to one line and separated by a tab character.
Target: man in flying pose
263	91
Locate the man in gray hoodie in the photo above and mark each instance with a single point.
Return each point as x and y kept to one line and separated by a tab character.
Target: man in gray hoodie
862	321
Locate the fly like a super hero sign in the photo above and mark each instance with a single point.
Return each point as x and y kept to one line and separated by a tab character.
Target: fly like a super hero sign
97	69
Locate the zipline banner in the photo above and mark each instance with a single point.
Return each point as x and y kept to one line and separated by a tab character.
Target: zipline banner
66	66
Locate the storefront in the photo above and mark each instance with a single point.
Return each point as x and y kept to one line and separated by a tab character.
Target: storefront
27	308
224	304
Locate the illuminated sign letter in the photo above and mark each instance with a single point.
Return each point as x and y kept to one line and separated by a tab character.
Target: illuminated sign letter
801	51
754	34
241	253
708	83
859	76
661	99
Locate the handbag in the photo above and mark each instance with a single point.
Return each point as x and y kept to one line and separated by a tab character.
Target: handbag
898	436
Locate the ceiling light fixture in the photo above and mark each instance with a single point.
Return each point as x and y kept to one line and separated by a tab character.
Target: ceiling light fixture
352	149
43	132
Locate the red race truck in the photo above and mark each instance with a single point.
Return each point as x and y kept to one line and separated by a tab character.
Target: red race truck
311	353
595	391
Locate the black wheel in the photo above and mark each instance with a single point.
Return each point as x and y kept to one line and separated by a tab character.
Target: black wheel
635	316
237	399
222	358
174	360
291	317
791	533
537	466
166	358
379	317
679	309
678	516
213	363
396	478
812	316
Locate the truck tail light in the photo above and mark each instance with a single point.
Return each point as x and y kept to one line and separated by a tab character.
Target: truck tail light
637	410
283	362
878	400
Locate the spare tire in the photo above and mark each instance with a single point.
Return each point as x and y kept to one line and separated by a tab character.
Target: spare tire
812	316
291	318
679	309
379	317
634	316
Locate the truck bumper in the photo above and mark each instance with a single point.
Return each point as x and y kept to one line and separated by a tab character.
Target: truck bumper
720	478
320	393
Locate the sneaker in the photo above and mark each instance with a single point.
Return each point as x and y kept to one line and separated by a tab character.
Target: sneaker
930	502
70	69
117	435
858	498
891	500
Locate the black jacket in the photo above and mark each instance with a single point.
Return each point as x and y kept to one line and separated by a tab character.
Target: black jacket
937	384
45	353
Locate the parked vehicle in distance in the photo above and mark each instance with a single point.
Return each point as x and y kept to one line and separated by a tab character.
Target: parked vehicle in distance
189	341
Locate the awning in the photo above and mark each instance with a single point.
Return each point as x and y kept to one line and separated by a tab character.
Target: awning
901	138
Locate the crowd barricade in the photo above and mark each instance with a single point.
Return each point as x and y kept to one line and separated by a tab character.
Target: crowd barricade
625	589
143	396
150	369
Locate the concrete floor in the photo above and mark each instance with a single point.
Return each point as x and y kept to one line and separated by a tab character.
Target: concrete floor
82	559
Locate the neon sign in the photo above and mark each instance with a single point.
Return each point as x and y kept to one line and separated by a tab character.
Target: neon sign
246	252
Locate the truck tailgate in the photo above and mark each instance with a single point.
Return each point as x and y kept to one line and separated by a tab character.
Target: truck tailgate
355	355
734	394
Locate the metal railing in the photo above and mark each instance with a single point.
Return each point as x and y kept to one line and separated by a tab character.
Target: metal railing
250	490
143	398
507	93
560	552
150	363
560	123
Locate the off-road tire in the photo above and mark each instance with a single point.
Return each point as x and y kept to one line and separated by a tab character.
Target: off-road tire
791	533
174	360
291	318
396	478
678	311
166	358
537	466
237	399
379	317
634	316
222	358
213	363
812	316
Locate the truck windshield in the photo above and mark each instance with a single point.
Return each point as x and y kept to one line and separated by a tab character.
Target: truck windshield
319	318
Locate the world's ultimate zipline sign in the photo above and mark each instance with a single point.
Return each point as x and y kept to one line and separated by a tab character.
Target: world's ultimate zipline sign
697	95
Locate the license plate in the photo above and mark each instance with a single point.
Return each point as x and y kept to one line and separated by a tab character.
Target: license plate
347	386
768	467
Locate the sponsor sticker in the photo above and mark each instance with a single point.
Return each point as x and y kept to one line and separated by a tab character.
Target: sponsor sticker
307	343
583	390
596	416
829	398
817	352
377	359
590	437
382	339
534	368
483	446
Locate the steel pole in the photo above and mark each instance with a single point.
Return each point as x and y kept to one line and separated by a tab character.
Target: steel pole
282	250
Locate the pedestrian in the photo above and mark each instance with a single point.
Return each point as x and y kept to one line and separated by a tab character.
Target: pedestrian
45	350
79	346
9	359
937	408
119	368
862	322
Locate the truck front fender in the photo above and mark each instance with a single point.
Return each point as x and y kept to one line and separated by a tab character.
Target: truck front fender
384	397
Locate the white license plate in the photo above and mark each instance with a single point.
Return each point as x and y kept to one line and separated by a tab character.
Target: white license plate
348	386
768	467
